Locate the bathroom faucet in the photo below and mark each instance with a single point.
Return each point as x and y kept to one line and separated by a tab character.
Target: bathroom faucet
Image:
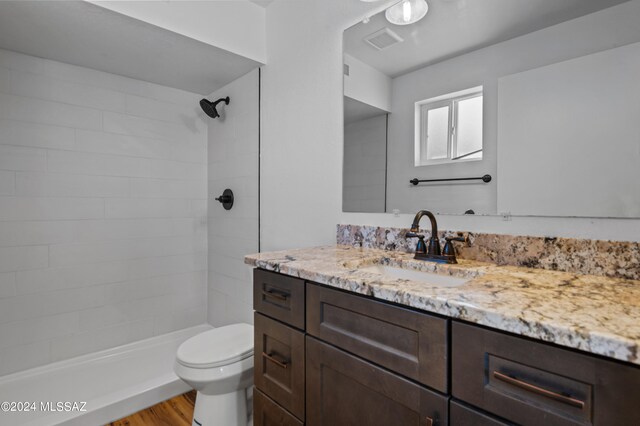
431	252
434	244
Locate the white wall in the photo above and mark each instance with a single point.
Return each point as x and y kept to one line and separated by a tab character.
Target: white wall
233	163
302	136
365	157
366	84
237	26
102	211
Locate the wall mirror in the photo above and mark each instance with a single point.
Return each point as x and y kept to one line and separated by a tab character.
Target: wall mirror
494	107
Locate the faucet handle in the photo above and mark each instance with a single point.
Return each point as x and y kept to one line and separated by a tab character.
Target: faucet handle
460	238
449	250
421	247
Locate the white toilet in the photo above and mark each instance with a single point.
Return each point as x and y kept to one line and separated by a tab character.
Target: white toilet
219	365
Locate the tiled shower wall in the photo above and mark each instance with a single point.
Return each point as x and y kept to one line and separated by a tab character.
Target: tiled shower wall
102	211
233	163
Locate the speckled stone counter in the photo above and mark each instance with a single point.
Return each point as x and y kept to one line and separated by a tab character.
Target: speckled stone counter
596	314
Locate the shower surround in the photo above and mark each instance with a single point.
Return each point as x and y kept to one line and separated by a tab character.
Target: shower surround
103	231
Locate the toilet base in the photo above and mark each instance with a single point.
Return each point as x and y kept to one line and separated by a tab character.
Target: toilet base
229	409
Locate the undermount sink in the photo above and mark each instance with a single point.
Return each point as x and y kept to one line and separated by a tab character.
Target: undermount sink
411	274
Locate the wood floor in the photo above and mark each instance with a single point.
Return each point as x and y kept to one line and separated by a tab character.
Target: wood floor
177	411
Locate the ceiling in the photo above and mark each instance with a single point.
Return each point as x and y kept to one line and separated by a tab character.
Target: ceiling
80	33
355	110
454	27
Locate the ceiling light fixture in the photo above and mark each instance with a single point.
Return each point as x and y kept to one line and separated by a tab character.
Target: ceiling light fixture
407	12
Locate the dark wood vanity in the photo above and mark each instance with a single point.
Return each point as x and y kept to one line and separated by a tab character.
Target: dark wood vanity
325	356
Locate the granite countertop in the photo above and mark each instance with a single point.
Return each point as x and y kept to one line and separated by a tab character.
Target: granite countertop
595	314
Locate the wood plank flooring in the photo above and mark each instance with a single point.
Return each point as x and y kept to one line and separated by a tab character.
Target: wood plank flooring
177	411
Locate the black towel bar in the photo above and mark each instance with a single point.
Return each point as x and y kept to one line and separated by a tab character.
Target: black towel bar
485	179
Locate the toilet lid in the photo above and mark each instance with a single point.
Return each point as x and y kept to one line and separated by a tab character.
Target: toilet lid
217	347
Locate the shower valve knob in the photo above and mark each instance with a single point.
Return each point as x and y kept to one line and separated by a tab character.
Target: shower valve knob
226	199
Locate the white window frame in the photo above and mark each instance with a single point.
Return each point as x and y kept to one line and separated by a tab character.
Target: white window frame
421	113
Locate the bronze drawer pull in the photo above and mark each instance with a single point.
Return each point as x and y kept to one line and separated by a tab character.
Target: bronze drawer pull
282	364
275	295
540	391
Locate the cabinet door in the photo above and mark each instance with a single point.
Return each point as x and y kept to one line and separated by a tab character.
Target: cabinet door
279	363
343	390
533	383
407	342
268	413
462	415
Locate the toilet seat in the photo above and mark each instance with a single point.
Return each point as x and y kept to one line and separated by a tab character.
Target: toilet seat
218	347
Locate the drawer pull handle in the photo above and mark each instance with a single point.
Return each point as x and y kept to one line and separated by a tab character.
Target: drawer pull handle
279	363
275	295
429	421
538	390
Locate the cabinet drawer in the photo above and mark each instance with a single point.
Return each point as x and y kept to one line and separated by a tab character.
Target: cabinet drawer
533	383
279	296
268	413
344	390
279	363
461	415
404	341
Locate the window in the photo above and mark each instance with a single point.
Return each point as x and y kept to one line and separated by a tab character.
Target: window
449	128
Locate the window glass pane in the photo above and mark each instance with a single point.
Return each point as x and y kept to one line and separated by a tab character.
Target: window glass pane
437	133
469	130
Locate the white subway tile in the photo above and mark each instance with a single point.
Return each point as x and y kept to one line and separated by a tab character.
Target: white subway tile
124	312
20	258
103	230
88	96
137	146
48	112
69	185
43	304
80	253
181	319
7	285
147	208
44	87
167	188
138	126
22	62
51	279
5	85
38	329
18	233
159	110
95	340
158	266
22	158
17	358
92	164
21	133
118	83
76	145
7	183
166	169
13	208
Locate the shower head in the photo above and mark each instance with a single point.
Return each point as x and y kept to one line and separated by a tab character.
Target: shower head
210	107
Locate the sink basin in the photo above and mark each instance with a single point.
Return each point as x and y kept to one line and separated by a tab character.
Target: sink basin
410	274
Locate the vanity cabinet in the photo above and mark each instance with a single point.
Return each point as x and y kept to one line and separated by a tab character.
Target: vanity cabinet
328	357
407	342
343	389
529	382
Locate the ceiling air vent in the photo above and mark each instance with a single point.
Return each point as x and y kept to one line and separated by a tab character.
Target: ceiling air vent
383	39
